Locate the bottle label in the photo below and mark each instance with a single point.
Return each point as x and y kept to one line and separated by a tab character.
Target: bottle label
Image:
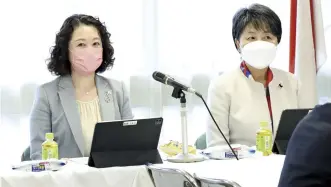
267	142
264	143
49	152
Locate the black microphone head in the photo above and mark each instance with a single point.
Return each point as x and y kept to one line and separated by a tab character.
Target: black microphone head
158	76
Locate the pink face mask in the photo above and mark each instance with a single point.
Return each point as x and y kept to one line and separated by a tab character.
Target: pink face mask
86	61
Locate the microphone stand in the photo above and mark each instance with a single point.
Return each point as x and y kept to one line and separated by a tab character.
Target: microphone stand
185	156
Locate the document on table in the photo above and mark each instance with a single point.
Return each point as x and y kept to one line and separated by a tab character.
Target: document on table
80	160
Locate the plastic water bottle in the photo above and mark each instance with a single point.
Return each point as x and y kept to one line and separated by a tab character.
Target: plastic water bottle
264	139
49	148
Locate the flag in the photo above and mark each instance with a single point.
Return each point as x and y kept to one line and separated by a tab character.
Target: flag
307	47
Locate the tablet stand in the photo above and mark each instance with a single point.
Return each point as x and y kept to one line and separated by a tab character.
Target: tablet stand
185	156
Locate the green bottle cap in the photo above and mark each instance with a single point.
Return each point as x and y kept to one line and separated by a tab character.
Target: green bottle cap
49	136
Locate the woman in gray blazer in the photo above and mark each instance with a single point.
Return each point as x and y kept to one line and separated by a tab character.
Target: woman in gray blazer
78	98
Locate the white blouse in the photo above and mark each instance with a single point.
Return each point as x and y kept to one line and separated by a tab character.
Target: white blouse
89	115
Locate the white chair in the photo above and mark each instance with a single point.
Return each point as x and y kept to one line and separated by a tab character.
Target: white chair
208	182
169	177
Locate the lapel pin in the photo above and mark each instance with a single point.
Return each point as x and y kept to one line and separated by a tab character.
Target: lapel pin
107	97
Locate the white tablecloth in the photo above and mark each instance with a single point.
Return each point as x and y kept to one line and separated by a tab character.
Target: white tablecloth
252	172
79	175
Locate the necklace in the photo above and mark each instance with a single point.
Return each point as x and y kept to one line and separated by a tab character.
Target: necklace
86	92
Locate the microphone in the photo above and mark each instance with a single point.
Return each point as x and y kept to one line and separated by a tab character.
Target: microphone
168	80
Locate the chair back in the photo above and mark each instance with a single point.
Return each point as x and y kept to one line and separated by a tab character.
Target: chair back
208	182
169	177
201	142
26	155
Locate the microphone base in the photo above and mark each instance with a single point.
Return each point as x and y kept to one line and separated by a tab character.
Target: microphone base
189	158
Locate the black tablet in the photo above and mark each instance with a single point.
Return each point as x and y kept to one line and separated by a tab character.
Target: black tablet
287	123
126	143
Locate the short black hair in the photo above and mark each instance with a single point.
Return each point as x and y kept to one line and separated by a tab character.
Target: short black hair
59	63
260	16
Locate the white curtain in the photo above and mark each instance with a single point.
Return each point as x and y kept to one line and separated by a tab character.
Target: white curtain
189	39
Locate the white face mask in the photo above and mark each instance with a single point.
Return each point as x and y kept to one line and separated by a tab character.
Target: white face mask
259	54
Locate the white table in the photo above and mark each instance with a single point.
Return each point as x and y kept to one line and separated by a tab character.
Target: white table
262	171
79	175
250	172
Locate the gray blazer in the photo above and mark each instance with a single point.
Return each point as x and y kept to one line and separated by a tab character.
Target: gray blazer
55	110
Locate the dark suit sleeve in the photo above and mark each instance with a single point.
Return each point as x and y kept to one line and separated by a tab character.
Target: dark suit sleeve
308	156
